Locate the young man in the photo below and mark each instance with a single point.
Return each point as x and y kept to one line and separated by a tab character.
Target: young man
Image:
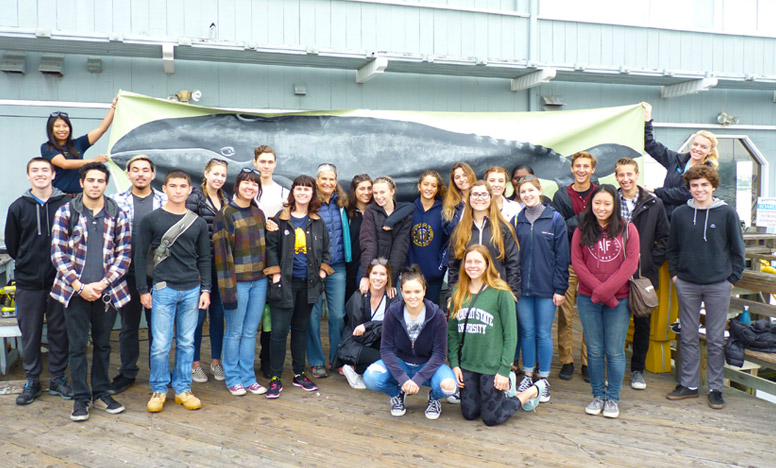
90	248
137	201
647	213
570	201
28	240
705	259
181	286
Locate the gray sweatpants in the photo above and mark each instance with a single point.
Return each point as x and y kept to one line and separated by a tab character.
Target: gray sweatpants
716	298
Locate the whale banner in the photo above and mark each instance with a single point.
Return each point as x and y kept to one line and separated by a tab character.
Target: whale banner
400	144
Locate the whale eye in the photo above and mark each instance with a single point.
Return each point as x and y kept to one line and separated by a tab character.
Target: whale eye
227	151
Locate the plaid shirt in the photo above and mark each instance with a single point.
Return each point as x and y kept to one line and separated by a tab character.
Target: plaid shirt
68	251
625	210
126	203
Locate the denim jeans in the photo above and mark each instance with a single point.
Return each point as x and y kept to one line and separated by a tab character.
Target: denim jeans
335	300
173	310
535	316
240	335
216	329
378	378
605	331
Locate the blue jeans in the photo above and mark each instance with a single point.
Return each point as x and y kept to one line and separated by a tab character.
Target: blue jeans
378	378
335	300
216	329
535	316
240	335
605	331
173	310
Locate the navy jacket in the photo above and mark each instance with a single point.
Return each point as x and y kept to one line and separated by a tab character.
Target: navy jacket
332	215
428	241
544	253
430	347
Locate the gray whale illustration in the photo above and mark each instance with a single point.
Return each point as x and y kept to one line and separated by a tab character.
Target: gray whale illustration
355	145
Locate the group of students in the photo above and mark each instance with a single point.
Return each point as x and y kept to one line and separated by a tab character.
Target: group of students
266	257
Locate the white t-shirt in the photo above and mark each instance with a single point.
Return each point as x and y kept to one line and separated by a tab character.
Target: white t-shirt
272	199
509	208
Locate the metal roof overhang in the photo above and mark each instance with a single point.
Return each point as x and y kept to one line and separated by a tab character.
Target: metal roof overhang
297	56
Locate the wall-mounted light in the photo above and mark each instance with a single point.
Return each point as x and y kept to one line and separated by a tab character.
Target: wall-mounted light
553	101
186	96
52	65
726	119
300	89
14	63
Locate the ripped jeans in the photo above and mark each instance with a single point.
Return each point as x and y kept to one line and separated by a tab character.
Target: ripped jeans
378	378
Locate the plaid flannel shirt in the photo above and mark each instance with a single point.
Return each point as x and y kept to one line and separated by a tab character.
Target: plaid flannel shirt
68	251
125	202
625	211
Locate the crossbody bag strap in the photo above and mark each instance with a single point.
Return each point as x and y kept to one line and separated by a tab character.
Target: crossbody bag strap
466	321
177	229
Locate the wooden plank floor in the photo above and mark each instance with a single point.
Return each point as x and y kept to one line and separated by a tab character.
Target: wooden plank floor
338	426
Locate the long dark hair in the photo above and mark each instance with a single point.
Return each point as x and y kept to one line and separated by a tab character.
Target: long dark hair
351	207
589	229
251	175
304	181
69	146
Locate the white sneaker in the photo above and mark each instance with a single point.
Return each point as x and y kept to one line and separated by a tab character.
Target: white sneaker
545	392
525	384
354	379
198	375
455	398
637	380
595	407
611	409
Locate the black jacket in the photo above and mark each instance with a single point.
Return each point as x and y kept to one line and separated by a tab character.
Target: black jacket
358	311
758	336
200	204
280	258
651	221
28	239
392	244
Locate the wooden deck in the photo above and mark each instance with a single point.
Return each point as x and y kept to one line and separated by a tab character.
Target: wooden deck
338	426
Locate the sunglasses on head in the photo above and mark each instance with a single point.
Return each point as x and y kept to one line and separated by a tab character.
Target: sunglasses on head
527	178
220	161
381	261
59	114
247	170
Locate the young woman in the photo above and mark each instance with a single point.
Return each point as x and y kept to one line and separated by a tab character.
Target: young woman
603	268
207	201
428	241
67	154
703	150
240	259
359	196
544	271
360	345
298	263
385	231
332	211
498	178
412	349
482	336
482	223
461	179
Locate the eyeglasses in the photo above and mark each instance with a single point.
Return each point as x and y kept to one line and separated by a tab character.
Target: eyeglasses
248	170
59	114
479	195
381	261
219	161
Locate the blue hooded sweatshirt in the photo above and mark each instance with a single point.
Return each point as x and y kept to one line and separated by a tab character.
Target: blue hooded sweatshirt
544	253
428	241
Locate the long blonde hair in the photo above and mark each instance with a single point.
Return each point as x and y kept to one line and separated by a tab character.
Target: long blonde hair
453	196
490	278
208	167
463	231
713	157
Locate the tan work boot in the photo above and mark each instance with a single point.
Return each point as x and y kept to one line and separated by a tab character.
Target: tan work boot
188	400
156	403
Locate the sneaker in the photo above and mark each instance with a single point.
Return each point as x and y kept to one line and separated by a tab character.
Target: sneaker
218	372
188	400
611	409
354	380
585	374
119	384
256	388
301	380
319	372
433	408
546	392
397	405
275	387
80	411
198	375
595	407
30	392
681	392
512	390
525	384
715	399
156	403
532	403
108	404
637	380
455	398
237	390
567	371
59	387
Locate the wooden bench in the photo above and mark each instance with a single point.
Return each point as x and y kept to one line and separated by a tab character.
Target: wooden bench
10	339
756	359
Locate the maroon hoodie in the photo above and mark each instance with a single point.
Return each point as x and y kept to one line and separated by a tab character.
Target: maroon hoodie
602	269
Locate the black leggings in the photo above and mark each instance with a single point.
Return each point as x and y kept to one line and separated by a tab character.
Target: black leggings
296	317
480	398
